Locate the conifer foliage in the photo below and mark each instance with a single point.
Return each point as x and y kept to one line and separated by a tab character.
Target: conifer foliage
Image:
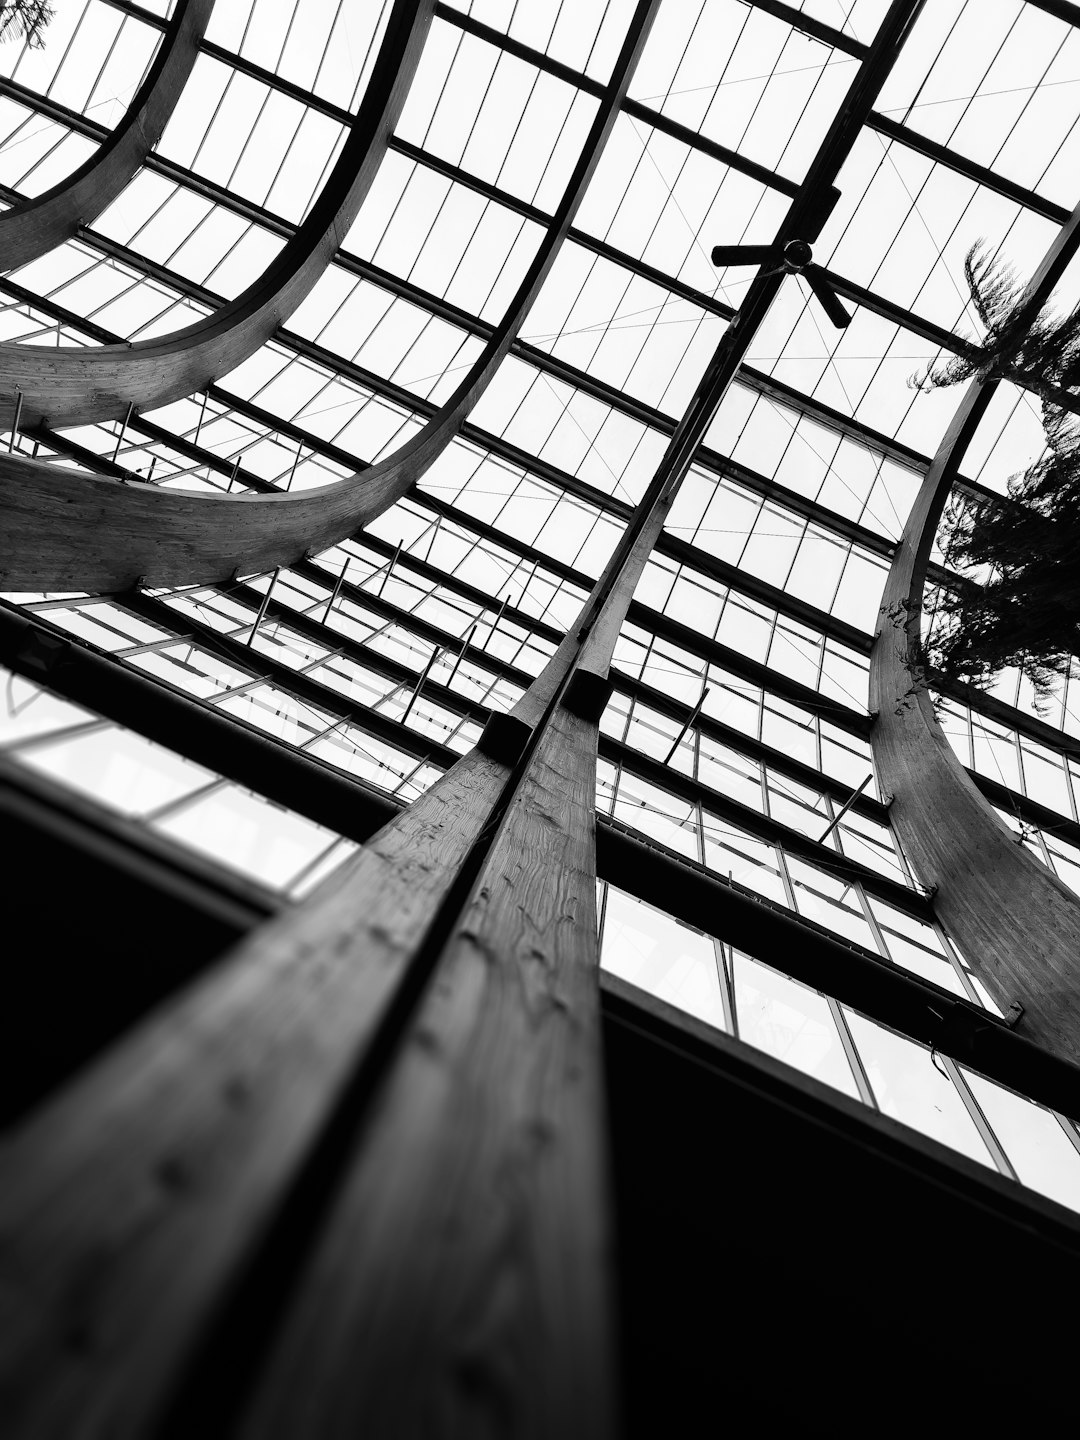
1041	354
25	20
1026	613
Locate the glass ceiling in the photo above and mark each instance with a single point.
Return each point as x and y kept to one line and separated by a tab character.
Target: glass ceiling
738	729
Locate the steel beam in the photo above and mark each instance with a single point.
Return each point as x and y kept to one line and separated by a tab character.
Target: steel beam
670	882
961	165
325	697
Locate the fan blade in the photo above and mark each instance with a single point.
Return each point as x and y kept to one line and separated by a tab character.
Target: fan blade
830	301
743	254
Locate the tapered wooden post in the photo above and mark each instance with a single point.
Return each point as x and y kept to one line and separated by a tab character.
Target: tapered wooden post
469	1244
463	1282
444	986
129	1206
1016	923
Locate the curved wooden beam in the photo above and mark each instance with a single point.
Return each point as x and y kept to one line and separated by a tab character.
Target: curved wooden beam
36	226
464	1250
69	530
1017	924
84	386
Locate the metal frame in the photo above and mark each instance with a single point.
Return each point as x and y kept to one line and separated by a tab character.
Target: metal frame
429	915
32	227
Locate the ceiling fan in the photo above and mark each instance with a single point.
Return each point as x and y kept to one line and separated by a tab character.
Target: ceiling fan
794	257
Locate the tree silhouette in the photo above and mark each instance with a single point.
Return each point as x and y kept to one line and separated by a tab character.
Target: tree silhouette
1042	354
25	20
1027	612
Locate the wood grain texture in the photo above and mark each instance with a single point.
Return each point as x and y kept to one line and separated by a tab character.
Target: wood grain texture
66	529
183	1141
84	386
33	227
1016	923
128	1206
462	1283
462	1286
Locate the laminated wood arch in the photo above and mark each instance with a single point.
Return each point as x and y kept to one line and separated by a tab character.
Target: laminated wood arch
84	386
1017	924
69	529
421	1033
36	226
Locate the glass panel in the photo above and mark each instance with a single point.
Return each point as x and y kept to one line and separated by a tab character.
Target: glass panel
122	770
909	1087
1039	1149
250	834
27	710
786	1019
671	961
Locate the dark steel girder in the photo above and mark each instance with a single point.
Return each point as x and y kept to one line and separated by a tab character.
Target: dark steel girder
884	124
766	385
159	613
721	571
854	722
978	174
230	745
422	747
1060	9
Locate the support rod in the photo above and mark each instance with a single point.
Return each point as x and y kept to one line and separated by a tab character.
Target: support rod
848	803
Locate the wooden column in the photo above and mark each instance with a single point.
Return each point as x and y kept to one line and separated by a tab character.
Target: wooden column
470	1233
462	1285
36	226
1017	924
425	1025
130	1205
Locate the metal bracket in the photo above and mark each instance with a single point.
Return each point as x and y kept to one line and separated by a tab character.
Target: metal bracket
957	1031
42	654
587	695
504	739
